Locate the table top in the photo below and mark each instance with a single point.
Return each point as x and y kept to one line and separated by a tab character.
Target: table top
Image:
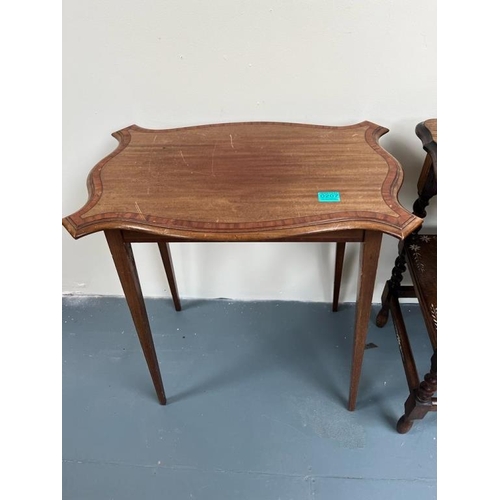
245	181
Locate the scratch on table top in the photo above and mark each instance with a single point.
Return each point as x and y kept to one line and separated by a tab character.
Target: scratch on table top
183	159
200	173
139	210
231	137
213	153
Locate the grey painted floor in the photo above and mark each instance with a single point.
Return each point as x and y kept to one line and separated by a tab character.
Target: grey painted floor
256	405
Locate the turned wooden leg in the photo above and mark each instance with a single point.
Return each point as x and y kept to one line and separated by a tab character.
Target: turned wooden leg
404	425
426	188
127	272
339	264
421	400
166	257
428	387
368	261
390	289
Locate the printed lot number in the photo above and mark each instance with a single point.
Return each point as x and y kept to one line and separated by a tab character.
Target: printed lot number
329	196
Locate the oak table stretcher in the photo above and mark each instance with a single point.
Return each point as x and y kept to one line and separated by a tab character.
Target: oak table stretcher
246	182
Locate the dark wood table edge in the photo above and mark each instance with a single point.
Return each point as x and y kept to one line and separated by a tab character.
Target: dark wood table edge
314	232
429	143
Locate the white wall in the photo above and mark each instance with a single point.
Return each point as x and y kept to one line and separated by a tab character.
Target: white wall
174	63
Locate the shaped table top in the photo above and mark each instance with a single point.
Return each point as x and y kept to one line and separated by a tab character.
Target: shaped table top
245	181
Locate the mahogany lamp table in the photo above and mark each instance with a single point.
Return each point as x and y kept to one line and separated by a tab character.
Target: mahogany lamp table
246	182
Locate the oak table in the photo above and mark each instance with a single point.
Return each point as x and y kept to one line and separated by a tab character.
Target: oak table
247	182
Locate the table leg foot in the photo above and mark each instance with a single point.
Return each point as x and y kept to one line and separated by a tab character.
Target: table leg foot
404	425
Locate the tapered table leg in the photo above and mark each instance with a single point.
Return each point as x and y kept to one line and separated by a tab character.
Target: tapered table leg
166	257
368	261
339	265
127	272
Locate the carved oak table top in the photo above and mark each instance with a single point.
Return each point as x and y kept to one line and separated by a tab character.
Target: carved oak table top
256	181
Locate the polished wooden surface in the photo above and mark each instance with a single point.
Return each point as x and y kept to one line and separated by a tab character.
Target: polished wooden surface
245	182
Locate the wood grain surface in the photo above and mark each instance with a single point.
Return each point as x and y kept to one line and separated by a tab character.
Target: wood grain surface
245	182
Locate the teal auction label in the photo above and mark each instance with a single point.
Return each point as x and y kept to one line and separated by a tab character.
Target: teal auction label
329	196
